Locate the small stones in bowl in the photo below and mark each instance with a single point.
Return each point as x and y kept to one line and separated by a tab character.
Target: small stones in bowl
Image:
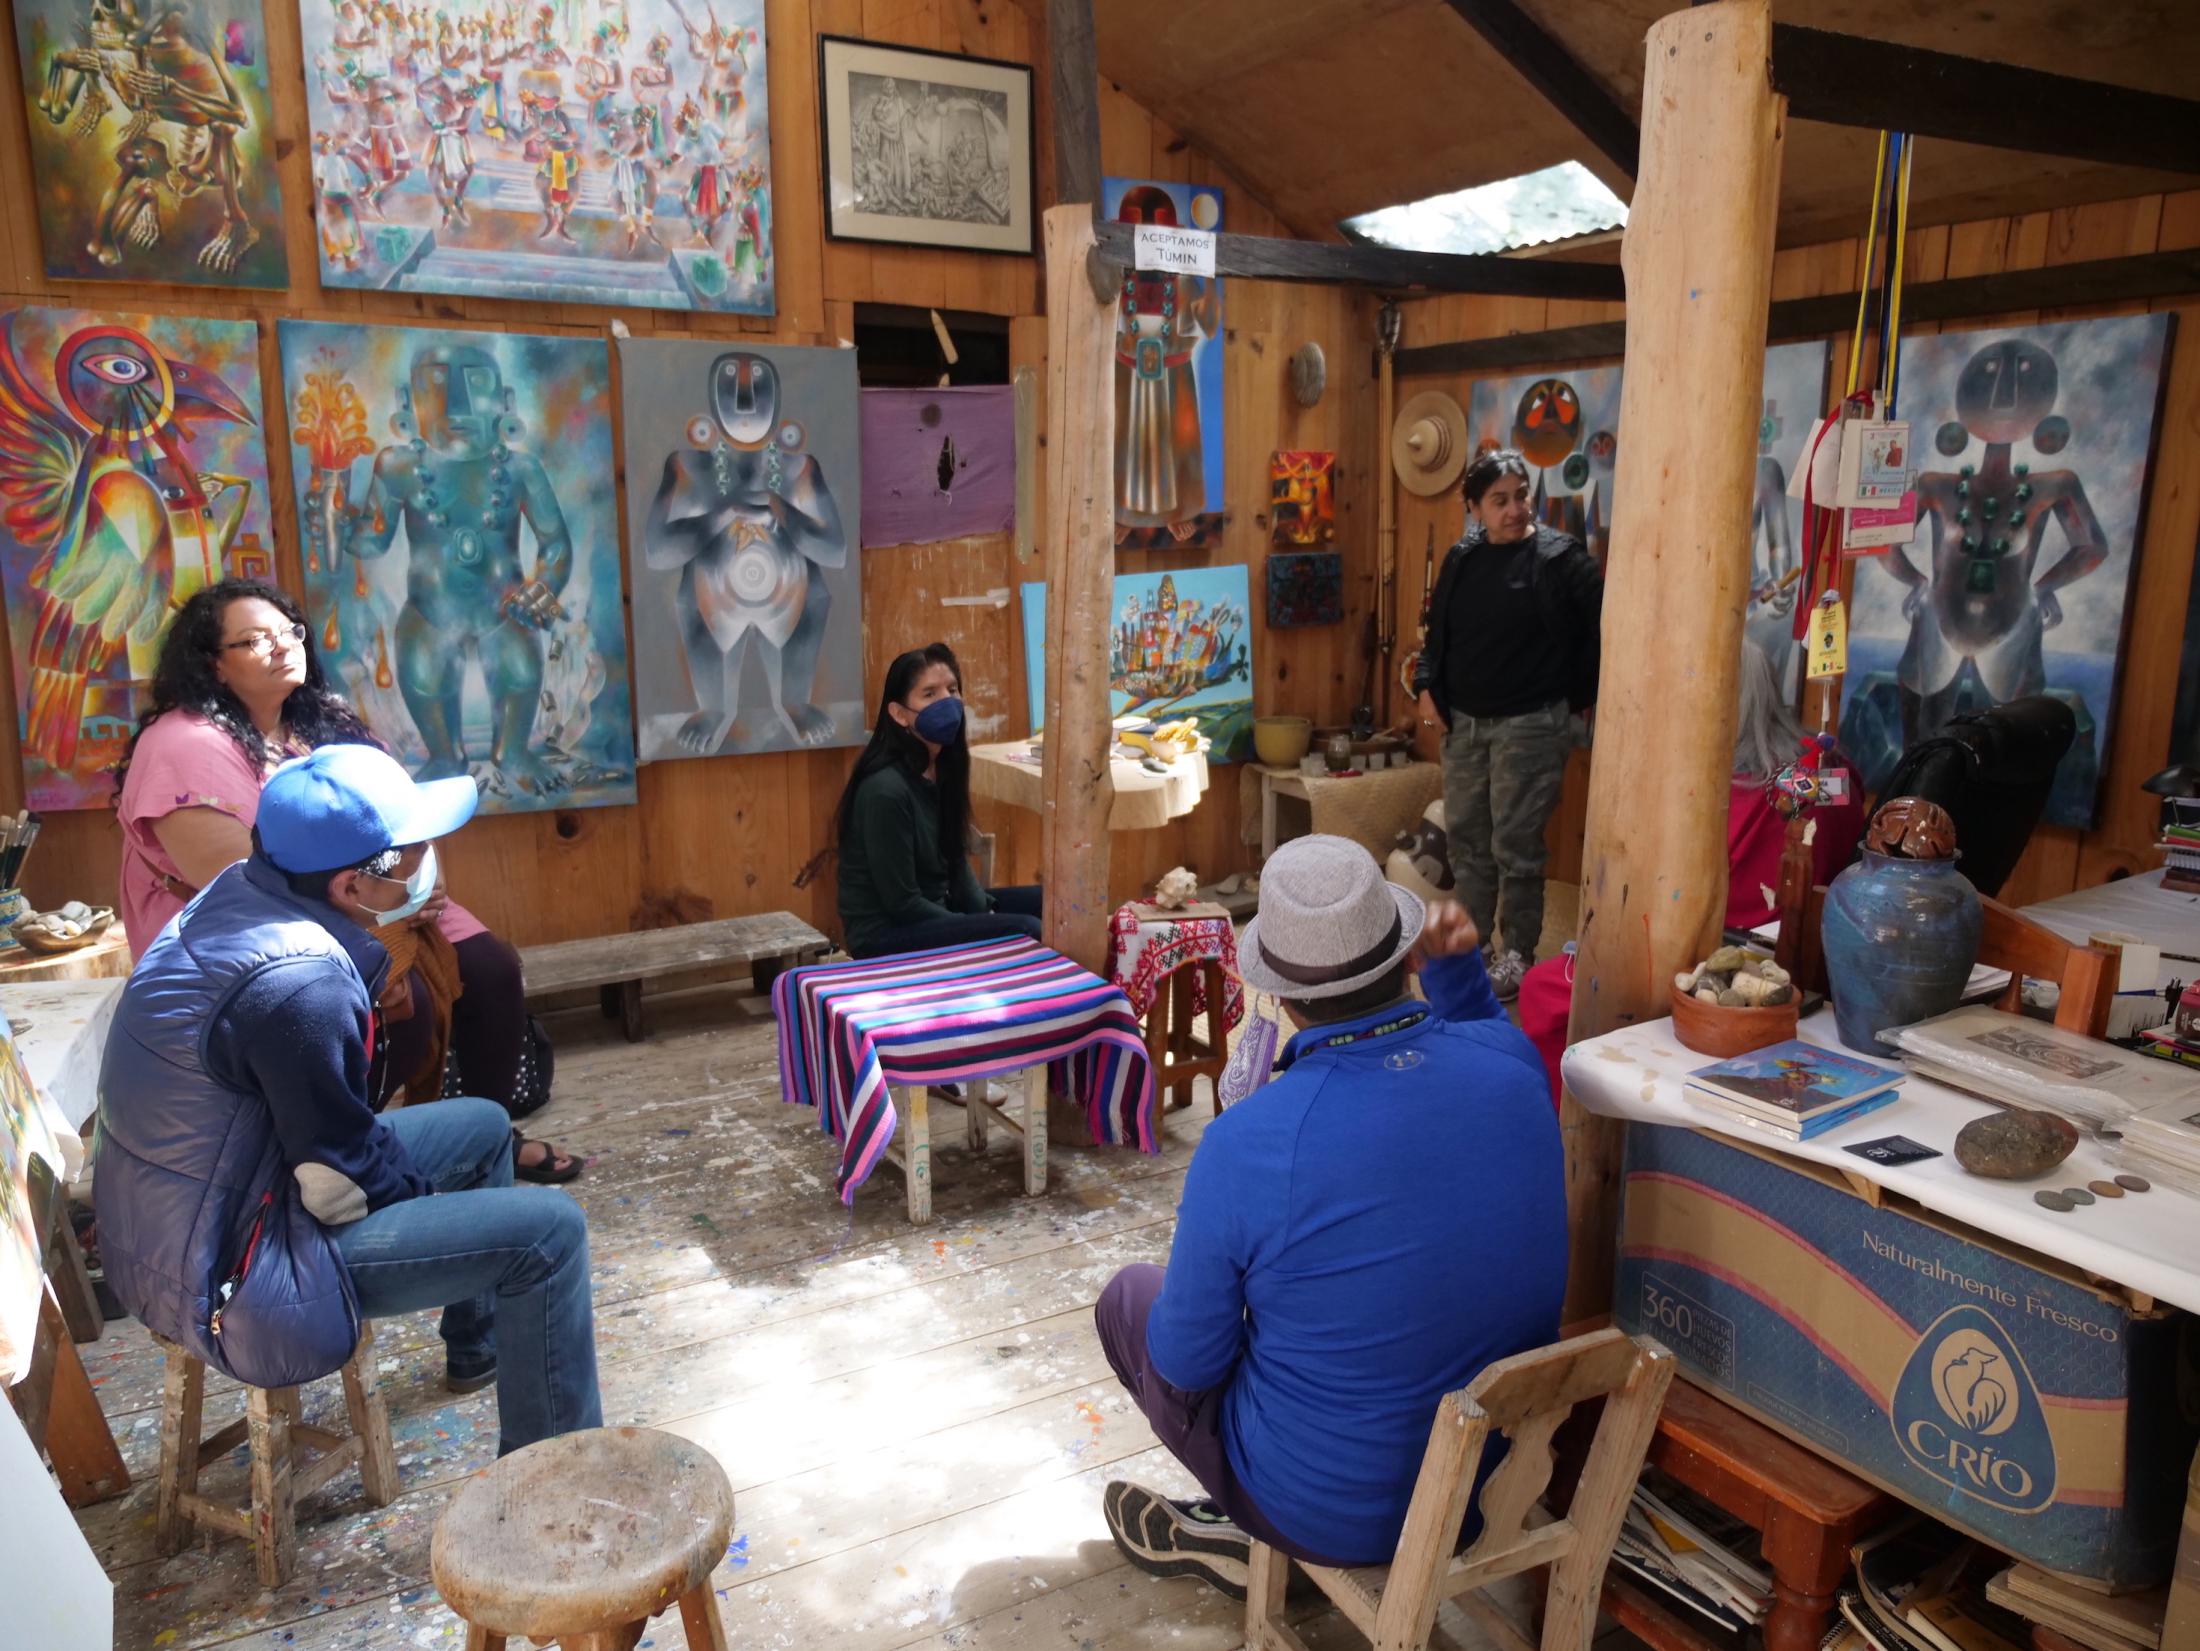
1734	978
69	922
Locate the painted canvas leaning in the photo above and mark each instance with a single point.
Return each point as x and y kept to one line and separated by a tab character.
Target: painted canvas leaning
460	537
132	473
1180	646
614	154
2030	501
744	506
152	138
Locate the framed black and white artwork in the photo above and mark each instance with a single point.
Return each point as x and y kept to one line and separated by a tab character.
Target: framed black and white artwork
925	148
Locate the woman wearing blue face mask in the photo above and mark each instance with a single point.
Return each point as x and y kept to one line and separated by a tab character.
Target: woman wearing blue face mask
903	825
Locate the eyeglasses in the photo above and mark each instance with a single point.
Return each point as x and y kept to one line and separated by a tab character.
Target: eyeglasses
264	643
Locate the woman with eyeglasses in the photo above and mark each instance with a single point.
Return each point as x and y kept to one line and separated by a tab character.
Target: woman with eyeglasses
238	691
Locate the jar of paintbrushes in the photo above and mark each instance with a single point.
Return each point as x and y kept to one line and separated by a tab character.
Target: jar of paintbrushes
17	834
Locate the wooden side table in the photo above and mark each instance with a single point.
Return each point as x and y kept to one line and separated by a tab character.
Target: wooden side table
107	958
1178	1054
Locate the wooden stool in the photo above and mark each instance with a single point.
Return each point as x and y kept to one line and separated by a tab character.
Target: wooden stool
281	1473
583	1538
912	1151
1177	1055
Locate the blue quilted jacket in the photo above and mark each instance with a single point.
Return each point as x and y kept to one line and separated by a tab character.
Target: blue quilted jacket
239	1054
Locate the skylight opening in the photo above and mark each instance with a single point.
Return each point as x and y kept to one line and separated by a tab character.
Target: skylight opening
1555	204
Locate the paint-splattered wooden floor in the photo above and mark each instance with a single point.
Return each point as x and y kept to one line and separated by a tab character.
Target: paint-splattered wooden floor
917	1421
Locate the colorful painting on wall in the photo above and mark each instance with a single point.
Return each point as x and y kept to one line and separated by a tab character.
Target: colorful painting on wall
608	153
1305	587
1567	428
461	543
1302	499
1168	380
1180	646
152	141
132	473
744	512
2030	503
1795	392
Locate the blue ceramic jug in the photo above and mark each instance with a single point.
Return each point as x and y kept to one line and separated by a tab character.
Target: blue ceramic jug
1900	937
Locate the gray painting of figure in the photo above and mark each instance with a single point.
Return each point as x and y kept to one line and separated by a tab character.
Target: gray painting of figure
743	492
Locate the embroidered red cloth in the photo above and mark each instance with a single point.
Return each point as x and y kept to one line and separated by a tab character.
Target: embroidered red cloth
1143	955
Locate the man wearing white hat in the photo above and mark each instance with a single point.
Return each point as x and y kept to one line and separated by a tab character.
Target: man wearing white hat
1357	1238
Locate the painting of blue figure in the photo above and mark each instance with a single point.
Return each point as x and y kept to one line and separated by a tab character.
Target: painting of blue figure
461	546
580	151
2034	447
1168	379
1794	392
1179	645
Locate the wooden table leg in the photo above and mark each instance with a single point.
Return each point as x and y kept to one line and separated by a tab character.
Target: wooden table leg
916	1150
974	1116
1267	817
1807	1562
764	971
480	1639
1035	1131
706	1631
1157	1043
370	1421
274	1519
630	1010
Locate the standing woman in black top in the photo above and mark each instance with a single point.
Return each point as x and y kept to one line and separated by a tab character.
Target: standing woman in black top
1512	656
903	826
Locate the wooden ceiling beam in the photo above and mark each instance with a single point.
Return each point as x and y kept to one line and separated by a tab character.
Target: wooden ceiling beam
1350	263
1846	80
1557	76
2098	281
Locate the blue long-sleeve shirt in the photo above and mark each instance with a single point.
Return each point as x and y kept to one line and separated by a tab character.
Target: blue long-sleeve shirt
1358	1238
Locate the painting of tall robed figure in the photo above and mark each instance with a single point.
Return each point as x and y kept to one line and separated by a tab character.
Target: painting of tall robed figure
744	496
132	473
152	140
578	151
461	547
2035	446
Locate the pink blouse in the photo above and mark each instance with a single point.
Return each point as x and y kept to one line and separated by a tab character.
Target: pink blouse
184	761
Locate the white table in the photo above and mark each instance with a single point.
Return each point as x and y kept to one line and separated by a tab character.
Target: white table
60	1029
2137	906
2148	1242
1009	773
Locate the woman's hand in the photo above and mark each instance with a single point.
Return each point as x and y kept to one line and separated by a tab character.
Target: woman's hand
1446	932
439	901
1429	718
396	1002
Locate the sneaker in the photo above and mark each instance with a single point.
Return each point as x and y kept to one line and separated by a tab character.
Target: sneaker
468	1378
1505	970
1188	1538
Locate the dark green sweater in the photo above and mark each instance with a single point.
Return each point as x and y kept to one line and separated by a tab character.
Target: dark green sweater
892	873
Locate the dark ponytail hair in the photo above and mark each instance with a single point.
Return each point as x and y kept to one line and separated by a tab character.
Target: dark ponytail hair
1482	474
184	680
892	743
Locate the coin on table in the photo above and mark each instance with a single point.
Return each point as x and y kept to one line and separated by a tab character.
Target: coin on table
2134	1183
2054	1201
2077	1195
2107	1189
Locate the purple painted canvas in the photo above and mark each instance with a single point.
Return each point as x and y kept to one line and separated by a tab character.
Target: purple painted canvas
938	464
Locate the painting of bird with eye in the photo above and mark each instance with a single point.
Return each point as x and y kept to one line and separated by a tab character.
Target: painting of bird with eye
132	473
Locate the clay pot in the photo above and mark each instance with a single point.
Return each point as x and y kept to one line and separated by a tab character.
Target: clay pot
1900	937
1281	741
1725	1033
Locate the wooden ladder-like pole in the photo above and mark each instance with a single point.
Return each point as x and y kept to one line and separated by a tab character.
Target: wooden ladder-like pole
1698	258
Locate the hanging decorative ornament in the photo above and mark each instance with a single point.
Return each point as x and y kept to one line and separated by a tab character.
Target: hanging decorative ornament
1309	374
1428	444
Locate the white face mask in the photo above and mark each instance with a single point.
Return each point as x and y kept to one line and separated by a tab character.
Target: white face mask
418	887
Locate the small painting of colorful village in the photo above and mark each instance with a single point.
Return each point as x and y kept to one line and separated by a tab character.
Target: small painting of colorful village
1180	645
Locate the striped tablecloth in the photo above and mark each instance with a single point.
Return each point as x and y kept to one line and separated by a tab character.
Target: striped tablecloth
849	1030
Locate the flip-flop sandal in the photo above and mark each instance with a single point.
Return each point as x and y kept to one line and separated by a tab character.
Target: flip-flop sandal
554	1169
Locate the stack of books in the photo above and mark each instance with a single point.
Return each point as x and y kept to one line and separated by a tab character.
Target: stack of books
2164	1142
1692	1552
2100	1622
2180	846
1794	1090
1920	1587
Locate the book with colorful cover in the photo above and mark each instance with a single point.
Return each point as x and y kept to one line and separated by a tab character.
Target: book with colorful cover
1793	1085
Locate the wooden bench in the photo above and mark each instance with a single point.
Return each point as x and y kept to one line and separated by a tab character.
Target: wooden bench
618	964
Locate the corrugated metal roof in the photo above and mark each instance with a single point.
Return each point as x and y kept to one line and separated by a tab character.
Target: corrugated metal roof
1555	204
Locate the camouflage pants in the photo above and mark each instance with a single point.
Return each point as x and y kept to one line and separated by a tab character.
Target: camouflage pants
1502	777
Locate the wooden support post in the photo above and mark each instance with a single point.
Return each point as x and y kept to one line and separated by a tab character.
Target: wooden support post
1080	580
1698	258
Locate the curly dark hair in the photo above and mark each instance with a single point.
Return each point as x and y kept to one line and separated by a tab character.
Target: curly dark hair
184	680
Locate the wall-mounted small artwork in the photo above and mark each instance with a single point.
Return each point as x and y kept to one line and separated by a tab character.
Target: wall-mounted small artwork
152	138
1305	587
461	546
133	472
925	148
1302	499
1168	380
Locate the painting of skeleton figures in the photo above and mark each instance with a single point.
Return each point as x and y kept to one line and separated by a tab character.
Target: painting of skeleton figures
132	473
2034	449
744	487
461	546
1168	380
584	151
152	140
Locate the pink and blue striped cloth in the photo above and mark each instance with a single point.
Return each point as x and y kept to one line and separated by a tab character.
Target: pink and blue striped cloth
849	1030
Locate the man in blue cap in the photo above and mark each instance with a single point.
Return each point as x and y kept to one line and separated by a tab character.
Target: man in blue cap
252	1207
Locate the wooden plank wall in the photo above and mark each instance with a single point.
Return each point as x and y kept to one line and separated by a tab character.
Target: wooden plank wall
726	836
2060	859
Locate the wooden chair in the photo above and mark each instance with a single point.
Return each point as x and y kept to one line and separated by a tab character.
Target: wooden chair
1526	1398
282	1472
2007	940
583	1538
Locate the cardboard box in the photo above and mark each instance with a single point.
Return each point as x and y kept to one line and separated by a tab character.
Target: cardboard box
1990	1387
